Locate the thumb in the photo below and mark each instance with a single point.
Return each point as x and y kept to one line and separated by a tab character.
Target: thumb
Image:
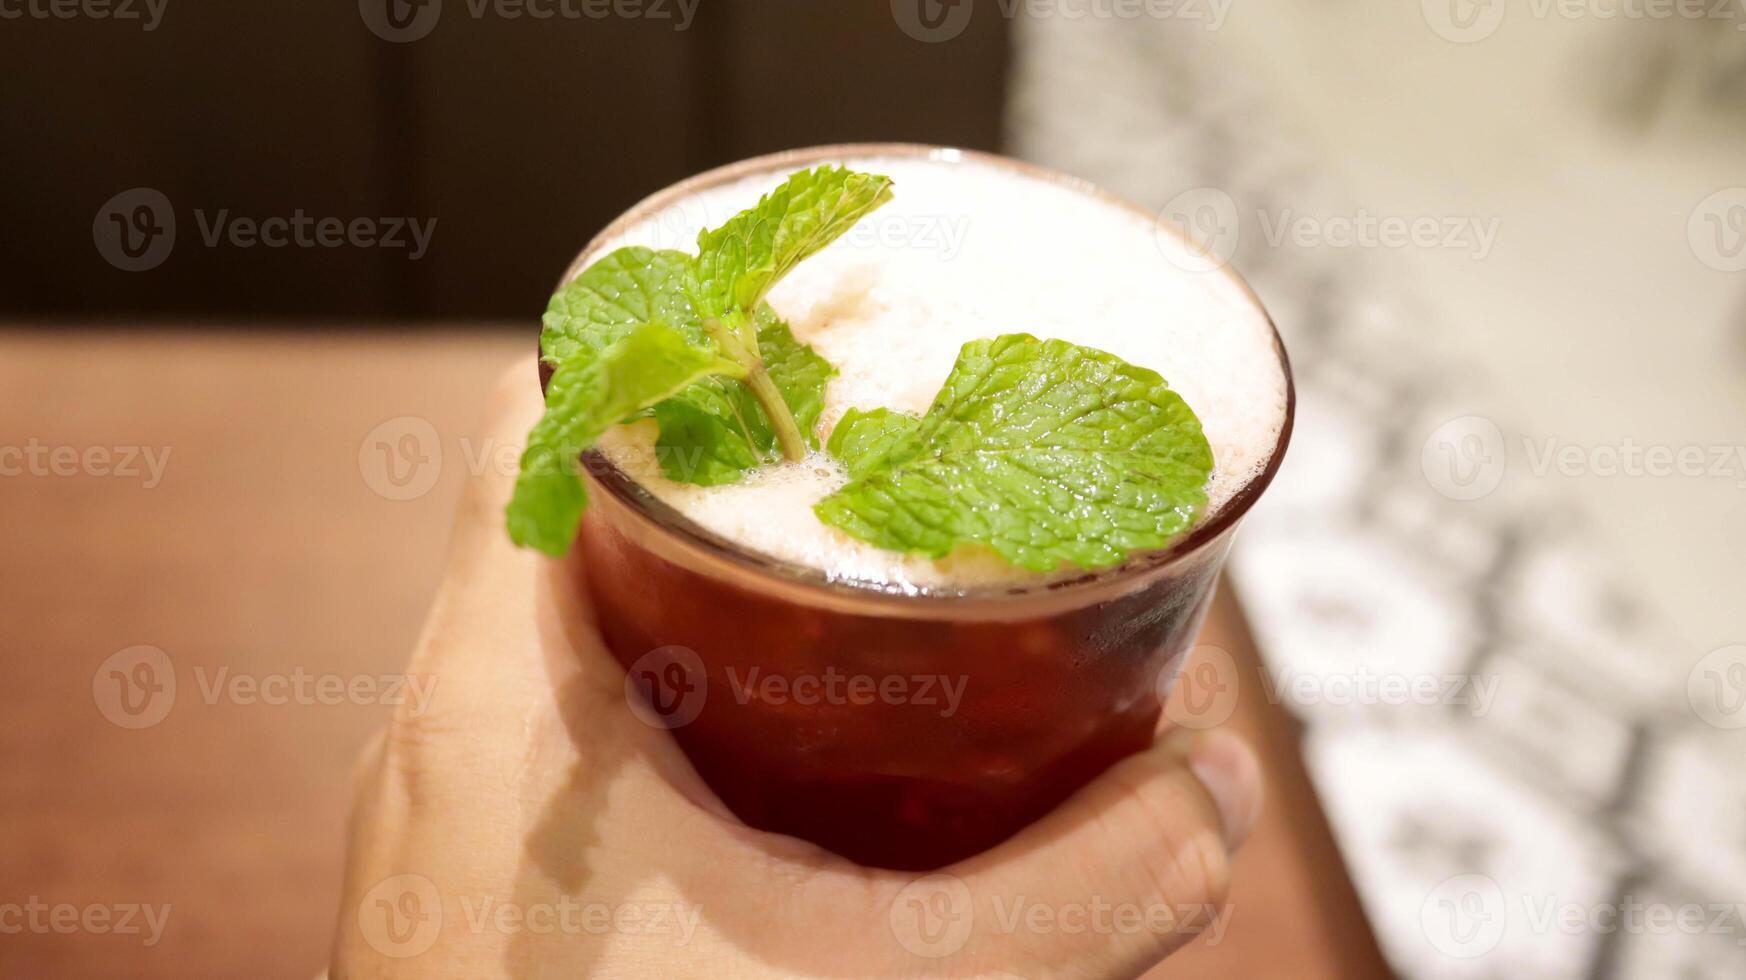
1129	869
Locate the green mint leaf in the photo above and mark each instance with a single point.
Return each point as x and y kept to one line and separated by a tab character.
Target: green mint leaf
714	431
1045	451
615	295
741	261
864	440
691	341
587	396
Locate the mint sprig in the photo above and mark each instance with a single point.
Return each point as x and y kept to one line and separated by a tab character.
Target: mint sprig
587	396
714	431
723	376
740	262
1045	451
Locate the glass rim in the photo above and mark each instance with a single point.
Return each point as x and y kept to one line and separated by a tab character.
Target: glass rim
658	527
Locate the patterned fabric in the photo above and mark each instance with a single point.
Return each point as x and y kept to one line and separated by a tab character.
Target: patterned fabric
1513	751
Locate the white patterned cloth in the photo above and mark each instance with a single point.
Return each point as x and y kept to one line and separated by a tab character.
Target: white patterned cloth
1525	772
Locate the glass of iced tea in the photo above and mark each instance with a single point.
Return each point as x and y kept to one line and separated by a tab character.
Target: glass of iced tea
900	711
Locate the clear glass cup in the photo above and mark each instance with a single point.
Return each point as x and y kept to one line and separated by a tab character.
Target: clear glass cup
901	731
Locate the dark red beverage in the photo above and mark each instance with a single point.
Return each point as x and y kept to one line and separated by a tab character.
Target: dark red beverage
899	730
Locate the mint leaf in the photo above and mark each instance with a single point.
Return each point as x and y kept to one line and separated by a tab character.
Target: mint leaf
741	261
1045	451
587	396
691	341
714	431
612	297
864	440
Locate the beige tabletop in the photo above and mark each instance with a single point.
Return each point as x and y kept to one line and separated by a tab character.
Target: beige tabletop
213	495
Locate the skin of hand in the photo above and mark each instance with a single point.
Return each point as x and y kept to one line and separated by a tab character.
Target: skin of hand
527	824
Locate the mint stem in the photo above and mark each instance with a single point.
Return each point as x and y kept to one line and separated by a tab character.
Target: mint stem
781	419
764	389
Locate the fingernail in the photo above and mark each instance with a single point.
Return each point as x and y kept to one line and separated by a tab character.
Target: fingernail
1228	770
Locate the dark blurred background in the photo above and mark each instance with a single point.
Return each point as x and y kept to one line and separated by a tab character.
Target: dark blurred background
519	136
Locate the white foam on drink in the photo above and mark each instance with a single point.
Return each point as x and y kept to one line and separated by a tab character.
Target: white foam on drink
964	251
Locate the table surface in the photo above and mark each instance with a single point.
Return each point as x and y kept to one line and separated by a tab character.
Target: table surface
263	548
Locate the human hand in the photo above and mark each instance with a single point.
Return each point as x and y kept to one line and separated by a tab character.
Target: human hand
527	824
